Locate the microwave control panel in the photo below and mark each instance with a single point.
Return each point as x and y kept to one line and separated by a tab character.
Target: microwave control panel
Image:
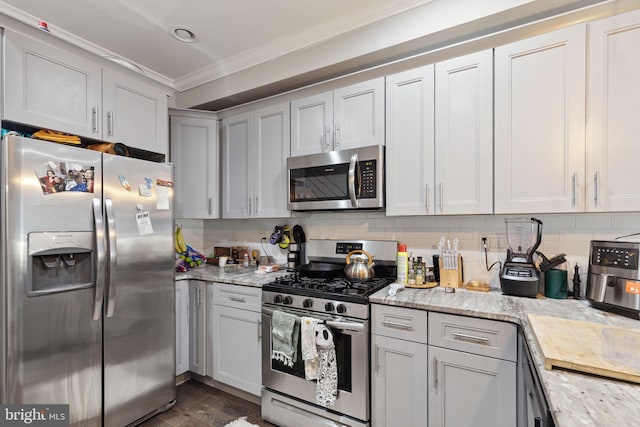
615	257
367	179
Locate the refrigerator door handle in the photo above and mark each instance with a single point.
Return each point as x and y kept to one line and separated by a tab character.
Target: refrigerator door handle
101	258
113	256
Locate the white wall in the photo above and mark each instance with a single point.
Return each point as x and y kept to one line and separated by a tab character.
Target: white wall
562	233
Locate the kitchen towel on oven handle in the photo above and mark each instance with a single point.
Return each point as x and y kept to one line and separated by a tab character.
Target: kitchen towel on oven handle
284	337
327	386
308	346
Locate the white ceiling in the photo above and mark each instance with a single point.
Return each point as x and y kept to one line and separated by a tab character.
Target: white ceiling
233	34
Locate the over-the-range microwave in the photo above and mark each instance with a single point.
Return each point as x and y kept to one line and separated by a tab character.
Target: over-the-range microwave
344	179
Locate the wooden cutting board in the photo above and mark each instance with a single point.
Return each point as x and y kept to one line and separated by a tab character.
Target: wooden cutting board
593	348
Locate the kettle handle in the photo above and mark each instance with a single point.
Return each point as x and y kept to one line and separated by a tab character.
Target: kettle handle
359	251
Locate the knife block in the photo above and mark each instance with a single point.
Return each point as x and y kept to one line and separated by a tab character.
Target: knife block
451	278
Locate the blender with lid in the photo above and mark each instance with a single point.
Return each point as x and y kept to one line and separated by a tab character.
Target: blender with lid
520	276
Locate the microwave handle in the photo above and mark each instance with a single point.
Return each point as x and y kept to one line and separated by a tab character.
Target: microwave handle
352	180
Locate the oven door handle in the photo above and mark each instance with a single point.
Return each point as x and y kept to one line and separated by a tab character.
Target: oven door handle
334	324
345	326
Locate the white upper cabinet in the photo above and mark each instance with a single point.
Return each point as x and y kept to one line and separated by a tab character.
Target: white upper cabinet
50	87
349	117
134	113
540	123
54	88
410	142
237	135
194	154
464	135
613	104
255	147
312	124
440	138
272	144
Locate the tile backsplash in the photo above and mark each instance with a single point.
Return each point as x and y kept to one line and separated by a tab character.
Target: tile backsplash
562	233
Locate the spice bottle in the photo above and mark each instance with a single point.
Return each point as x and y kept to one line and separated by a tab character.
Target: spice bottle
412	273
419	272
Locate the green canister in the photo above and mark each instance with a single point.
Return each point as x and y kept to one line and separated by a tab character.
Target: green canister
555	283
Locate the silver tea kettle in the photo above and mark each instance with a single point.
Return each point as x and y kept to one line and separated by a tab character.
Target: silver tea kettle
360	267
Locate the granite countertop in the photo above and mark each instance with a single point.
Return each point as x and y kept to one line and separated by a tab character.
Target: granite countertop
575	399
233	274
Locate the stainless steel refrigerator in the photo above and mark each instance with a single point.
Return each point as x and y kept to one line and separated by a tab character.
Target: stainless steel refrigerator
87	282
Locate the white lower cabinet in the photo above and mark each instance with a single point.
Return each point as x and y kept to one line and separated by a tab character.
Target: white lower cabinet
182	326
236	336
472	372
470	390
398	382
197	327
398	367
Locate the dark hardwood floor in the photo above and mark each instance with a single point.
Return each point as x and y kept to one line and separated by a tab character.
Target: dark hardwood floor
198	405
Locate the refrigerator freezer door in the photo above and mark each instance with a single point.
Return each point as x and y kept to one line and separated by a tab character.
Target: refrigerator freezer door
139	322
51	351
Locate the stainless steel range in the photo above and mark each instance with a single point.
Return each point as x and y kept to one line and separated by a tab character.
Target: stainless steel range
321	290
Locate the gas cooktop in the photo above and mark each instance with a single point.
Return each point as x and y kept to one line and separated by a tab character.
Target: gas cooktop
337	288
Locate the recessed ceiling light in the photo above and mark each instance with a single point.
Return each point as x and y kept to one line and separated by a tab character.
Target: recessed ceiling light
183	34
124	63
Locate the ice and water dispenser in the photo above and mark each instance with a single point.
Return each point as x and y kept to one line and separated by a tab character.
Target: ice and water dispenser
60	261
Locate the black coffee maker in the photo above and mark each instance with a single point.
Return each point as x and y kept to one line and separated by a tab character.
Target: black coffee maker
520	276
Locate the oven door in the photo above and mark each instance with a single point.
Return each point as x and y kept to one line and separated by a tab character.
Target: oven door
352	355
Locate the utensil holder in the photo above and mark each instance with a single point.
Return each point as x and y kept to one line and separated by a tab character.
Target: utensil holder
451	277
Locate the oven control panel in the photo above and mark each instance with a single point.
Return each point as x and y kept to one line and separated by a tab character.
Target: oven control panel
312	305
343	248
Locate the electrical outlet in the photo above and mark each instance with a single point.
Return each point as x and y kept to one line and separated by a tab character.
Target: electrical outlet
484	243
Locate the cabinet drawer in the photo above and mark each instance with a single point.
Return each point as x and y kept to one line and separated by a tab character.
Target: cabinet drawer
238	296
473	335
398	322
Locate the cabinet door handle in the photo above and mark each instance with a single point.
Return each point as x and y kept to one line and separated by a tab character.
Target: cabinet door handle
336	142
249	201
596	177
110	123
255	207
441	197
573	190
327	136
435	373
397	325
209	200
427	196
94	119
237	299
259	323
472	338
377	358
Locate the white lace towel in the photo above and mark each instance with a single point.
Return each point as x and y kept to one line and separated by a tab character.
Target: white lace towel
308	347
327	387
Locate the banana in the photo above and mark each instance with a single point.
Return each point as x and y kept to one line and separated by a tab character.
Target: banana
181	246
176	244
